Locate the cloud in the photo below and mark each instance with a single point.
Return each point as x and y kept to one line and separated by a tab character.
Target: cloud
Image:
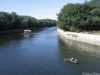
39	9
45	13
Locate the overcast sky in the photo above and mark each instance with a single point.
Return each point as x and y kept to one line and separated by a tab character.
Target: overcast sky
39	9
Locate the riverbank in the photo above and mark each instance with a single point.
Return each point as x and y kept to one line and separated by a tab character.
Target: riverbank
16	31
11	31
20	30
87	38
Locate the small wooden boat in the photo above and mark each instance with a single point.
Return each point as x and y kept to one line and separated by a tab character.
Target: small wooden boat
72	60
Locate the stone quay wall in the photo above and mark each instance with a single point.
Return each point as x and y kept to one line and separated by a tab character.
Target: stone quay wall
87	38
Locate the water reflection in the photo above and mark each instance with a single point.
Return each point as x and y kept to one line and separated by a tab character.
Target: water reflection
80	46
87	54
7	39
14	38
43	52
28	36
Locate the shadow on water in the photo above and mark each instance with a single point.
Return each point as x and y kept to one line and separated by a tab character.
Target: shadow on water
11	38
87	54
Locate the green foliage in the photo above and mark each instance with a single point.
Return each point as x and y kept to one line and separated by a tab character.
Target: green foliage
13	21
78	17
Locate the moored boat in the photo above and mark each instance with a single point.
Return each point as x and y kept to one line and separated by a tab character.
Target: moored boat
27	31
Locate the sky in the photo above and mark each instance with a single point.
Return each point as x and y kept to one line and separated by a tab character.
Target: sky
40	9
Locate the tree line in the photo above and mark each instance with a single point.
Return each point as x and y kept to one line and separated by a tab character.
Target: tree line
13	21
79	17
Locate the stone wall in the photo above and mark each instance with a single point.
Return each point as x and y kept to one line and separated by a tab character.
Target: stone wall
87	38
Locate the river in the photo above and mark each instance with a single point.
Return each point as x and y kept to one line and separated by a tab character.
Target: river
43	51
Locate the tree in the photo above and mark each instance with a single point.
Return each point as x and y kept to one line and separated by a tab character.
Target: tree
12	21
79	17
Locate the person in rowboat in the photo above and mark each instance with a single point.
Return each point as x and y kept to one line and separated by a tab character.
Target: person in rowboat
76	60
72	59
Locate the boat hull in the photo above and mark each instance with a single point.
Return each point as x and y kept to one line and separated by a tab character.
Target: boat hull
72	61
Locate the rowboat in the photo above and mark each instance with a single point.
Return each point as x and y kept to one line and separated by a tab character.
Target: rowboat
72	60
